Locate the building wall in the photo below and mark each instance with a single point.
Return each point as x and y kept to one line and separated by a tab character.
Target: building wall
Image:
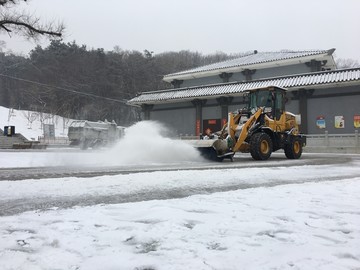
273	72
237	104
180	121
202	81
292	105
211	112
335	102
329	102
281	71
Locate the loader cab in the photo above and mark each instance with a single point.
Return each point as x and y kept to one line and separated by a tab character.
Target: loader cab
271	98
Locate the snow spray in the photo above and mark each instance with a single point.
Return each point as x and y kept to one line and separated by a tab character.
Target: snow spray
146	143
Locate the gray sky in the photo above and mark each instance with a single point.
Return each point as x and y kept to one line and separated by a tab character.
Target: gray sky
205	26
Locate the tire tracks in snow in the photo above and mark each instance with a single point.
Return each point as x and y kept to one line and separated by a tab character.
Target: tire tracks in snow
17	206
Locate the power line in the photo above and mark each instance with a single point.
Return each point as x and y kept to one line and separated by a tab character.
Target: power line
124	101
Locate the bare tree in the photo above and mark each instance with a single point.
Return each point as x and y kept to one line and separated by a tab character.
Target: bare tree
2	45
31	117
20	23
347	63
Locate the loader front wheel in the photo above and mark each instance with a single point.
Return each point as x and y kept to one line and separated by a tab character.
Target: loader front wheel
293	149
261	146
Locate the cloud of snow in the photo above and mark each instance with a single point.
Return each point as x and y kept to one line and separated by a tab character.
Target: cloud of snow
146	142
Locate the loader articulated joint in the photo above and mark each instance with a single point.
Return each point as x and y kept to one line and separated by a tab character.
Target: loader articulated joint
291	131
254	128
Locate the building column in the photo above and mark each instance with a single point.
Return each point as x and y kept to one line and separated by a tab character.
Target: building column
146	109
303	96
248	73
316	65
198	103
224	102
177	83
225	76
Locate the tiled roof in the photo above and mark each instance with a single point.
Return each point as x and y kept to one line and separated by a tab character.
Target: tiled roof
252	59
314	79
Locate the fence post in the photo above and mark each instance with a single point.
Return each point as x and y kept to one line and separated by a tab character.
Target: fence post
327	143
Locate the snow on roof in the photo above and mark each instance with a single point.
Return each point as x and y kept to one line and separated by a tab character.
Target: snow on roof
90	124
290	82
254	60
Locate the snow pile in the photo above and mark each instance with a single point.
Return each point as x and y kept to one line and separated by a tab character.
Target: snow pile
29	123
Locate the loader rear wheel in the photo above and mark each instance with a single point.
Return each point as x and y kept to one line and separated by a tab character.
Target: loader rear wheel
261	146
293	149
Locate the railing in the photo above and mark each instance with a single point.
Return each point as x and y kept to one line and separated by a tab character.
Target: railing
333	140
188	137
55	140
340	143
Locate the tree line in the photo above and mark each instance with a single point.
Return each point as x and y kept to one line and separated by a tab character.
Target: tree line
76	82
71	80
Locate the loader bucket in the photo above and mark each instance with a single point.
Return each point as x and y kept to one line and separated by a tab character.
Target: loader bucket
215	150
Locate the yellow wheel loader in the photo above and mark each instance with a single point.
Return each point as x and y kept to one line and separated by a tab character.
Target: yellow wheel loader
261	128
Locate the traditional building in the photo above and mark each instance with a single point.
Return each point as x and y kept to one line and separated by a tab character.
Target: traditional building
326	98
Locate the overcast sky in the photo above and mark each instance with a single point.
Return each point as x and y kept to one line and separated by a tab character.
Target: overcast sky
205	26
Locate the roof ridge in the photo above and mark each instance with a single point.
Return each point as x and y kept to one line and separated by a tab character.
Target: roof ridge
309	73
300	51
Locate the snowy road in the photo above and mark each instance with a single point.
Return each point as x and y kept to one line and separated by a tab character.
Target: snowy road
112	185
59	167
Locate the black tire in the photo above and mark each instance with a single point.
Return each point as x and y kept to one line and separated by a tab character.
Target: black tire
261	146
293	149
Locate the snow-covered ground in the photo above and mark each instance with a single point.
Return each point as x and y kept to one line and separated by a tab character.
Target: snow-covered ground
300	226
286	216
29	123
313	225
